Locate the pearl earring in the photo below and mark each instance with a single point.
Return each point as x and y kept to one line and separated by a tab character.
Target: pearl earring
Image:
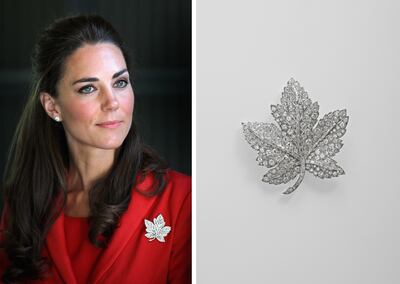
57	118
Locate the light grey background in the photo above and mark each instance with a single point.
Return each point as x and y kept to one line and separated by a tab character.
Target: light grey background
342	230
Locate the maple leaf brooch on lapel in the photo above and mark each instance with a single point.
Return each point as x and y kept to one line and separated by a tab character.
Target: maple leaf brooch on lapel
156	230
295	145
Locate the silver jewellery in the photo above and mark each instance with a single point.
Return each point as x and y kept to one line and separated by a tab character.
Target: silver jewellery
295	145
156	230
57	118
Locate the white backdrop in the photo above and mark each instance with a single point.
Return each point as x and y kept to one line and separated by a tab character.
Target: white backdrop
341	230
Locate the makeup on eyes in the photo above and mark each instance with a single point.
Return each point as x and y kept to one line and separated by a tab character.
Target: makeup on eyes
122	79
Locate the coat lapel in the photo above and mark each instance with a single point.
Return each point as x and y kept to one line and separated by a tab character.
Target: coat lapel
131	221
57	249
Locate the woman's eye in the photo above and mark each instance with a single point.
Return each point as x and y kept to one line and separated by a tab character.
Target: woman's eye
86	89
121	84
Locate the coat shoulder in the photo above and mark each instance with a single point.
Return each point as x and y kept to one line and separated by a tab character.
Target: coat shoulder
176	183
179	181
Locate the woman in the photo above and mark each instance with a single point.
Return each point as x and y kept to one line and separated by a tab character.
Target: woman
85	200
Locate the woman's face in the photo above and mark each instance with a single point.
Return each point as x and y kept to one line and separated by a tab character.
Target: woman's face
95	99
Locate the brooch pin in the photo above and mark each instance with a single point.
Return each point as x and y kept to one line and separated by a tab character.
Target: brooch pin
295	146
156	230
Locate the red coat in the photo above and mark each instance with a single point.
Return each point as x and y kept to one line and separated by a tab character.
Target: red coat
131	257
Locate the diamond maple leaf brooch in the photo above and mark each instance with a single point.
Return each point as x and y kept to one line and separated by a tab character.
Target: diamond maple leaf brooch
156	230
295	145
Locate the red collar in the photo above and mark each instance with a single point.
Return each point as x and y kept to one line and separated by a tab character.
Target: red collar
131	221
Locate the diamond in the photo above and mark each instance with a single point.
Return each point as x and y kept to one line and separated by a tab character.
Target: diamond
299	142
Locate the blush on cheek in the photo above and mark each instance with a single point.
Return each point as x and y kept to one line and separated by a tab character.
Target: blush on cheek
127	104
84	113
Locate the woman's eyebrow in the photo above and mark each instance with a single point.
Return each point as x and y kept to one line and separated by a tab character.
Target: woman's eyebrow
94	79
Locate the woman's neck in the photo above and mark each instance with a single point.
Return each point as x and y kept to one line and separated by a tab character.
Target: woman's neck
87	167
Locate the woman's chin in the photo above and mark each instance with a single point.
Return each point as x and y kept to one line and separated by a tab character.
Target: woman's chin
109	144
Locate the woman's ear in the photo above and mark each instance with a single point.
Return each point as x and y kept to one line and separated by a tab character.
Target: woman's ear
50	106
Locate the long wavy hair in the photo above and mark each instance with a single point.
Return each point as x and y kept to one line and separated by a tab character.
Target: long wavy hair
35	179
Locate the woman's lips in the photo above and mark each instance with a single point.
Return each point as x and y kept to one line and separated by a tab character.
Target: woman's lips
110	124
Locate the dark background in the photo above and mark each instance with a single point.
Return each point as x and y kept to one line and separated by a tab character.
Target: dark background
158	34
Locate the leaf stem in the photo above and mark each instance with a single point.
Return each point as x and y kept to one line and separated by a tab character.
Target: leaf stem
300	179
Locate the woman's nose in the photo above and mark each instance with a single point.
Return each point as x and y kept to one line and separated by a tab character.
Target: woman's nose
110	101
